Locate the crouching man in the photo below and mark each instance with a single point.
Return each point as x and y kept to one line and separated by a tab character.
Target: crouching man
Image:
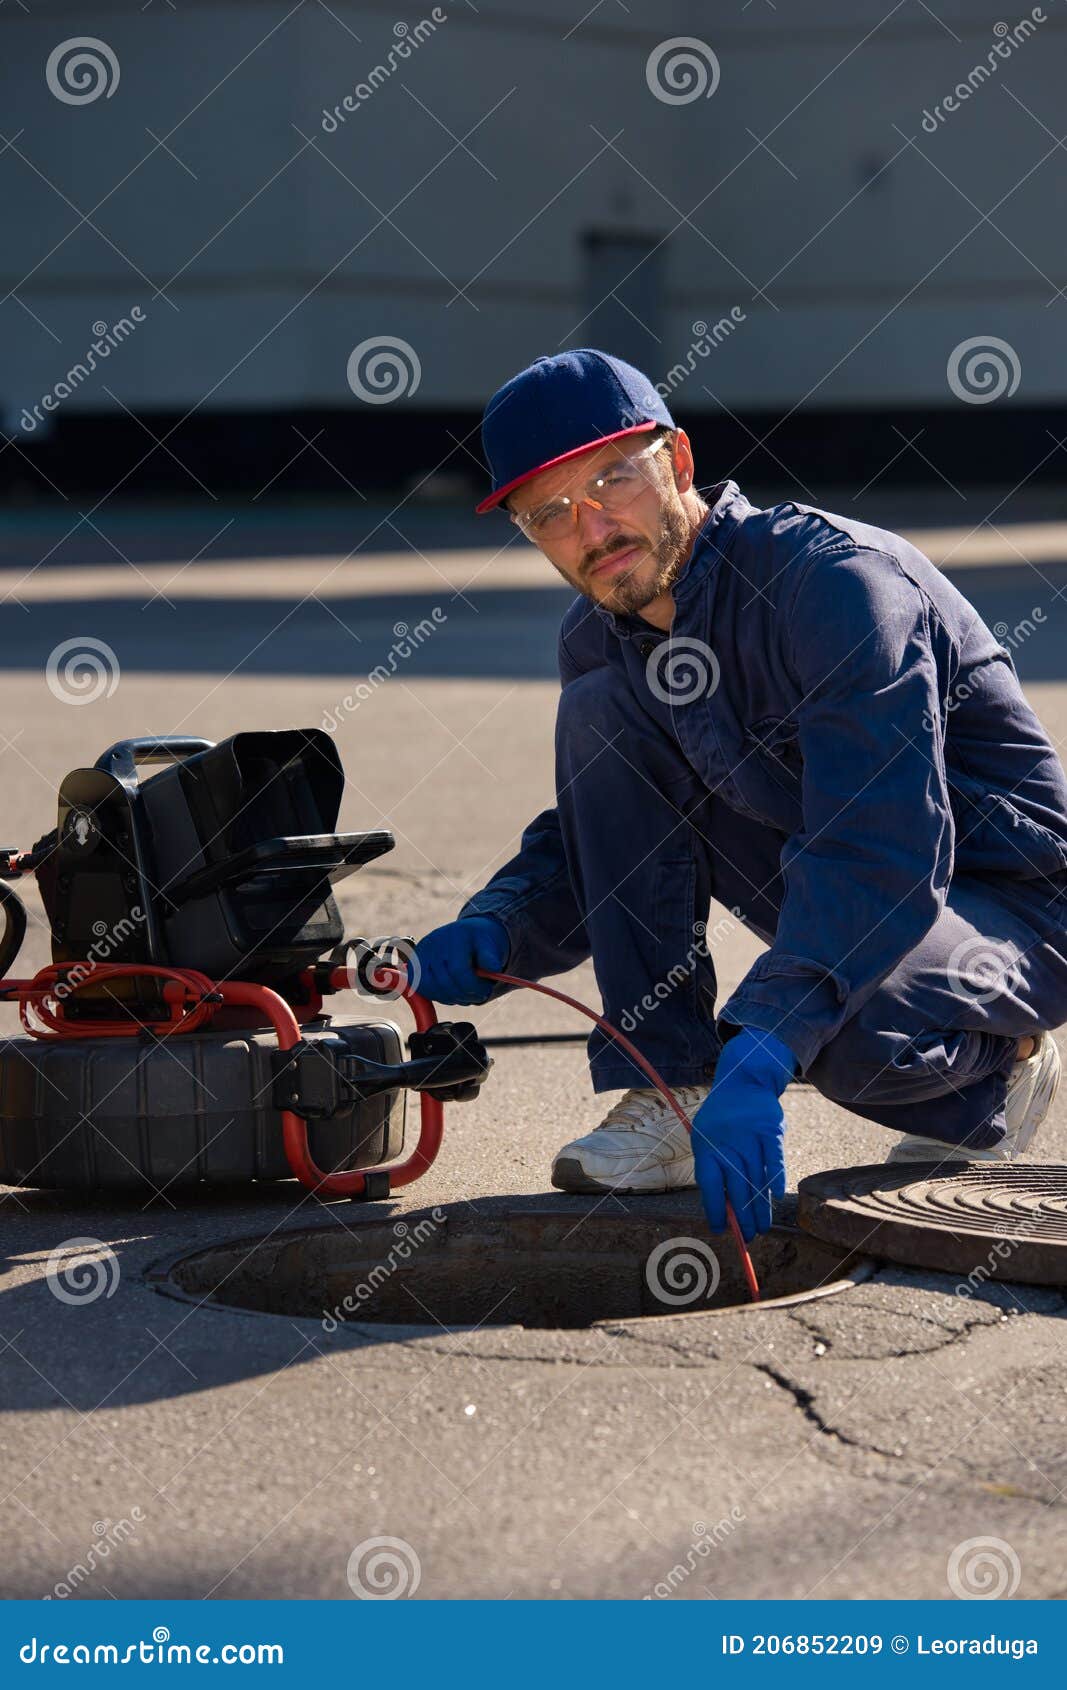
799	716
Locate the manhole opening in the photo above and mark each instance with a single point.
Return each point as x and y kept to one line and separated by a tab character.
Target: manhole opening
456	1268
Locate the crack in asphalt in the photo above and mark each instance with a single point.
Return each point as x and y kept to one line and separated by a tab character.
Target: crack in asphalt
805	1401
948	1335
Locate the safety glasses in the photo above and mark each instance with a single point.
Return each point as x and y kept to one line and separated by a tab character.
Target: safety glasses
612	489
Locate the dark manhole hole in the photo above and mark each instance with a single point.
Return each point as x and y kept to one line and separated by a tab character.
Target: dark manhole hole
985	1220
457	1266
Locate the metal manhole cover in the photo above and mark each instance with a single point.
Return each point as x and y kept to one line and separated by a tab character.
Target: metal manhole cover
991	1220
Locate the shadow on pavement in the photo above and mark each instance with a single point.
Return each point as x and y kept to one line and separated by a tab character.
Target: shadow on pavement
486	633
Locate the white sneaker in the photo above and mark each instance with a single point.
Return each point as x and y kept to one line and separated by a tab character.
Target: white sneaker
1031	1092
1032	1087
640	1145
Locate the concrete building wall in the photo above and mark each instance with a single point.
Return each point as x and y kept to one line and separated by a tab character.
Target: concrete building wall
508	174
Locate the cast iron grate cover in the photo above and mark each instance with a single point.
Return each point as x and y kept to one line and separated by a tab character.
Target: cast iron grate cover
998	1220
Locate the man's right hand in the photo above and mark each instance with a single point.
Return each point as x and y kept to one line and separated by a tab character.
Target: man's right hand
443	968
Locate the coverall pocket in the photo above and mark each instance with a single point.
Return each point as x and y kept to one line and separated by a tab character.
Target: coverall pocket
995	837
783	965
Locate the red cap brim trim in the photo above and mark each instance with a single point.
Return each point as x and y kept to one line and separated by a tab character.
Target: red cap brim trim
576	451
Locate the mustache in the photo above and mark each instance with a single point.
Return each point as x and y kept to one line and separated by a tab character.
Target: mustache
605	557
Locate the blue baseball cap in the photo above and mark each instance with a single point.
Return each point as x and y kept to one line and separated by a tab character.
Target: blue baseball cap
558	408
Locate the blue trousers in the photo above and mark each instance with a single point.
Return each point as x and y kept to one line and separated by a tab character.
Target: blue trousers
648	847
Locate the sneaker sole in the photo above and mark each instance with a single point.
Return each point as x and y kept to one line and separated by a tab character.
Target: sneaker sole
569	1175
929	1150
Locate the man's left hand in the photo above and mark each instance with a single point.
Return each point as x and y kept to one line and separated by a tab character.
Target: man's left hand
739	1129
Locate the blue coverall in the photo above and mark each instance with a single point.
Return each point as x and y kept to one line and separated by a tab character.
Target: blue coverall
831	743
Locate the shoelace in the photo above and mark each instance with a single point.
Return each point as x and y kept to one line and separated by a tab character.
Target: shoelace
634	1108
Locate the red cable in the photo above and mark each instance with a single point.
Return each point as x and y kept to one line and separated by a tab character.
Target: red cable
186	990
659	1083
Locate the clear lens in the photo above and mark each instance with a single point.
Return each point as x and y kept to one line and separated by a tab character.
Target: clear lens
615	487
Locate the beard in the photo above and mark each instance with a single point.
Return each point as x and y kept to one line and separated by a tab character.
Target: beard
667	553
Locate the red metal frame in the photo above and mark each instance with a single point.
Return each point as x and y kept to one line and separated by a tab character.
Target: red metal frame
194	998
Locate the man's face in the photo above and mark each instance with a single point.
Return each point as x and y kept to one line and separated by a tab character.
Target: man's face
620	559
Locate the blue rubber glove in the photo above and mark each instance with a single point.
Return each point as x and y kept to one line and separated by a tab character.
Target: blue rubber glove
444	962
738	1132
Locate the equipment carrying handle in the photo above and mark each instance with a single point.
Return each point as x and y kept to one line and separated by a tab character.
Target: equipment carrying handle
14	914
121	760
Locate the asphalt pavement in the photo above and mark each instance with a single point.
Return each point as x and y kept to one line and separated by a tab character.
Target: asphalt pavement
857	1446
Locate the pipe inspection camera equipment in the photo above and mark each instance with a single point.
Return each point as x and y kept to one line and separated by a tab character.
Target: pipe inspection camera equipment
179	1035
